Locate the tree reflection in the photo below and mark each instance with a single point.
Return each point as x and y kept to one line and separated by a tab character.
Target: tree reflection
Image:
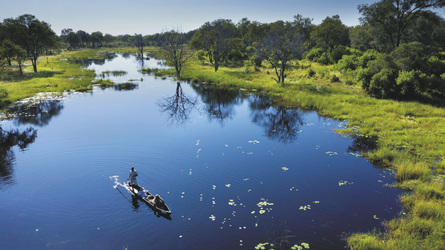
363	144
280	123
39	113
9	139
178	107
219	102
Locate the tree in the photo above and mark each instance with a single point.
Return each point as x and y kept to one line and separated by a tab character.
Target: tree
32	35
108	39
139	43
97	39
330	33
390	19
84	37
304	26
175	50
215	39
282	44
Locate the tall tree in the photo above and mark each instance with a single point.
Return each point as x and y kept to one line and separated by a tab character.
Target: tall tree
84	37
330	33
390	19
11	51
175	50
284	43
139	43
32	35
97	39
215	39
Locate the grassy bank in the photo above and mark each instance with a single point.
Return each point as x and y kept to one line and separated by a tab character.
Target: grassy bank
56	74
409	138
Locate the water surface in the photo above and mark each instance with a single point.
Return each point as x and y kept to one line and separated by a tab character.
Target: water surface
235	170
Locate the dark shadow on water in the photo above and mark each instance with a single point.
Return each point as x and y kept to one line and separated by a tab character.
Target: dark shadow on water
279	123
363	144
219	103
9	139
38	113
178	106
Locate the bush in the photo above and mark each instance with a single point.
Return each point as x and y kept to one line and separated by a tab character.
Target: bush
408	82
369	55
348	62
3	93
382	84
335	78
311	72
314	54
338	52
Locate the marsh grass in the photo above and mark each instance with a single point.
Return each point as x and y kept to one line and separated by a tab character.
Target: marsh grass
126	86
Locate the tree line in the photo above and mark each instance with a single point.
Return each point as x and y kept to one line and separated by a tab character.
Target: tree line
397	51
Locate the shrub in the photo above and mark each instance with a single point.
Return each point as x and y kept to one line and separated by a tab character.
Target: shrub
369	55
382	84
347	62
409	82
311	72
314	54
335	78
3	93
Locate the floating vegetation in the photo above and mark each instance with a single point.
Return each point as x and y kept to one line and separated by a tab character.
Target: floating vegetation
228	185
285	169
125	86
232	202
263	246
263	206
293	188
375	217
197	142
113	73
342	183
149	70
356	154
212	217
330	153
254	142
299	247
316	202
304	208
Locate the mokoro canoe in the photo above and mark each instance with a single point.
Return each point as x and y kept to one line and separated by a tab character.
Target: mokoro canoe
154	202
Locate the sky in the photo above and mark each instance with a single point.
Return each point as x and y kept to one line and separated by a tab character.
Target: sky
119	17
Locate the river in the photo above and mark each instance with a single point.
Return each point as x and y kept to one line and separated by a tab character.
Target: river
235	170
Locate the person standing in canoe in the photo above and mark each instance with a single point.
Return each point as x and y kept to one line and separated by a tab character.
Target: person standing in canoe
132	177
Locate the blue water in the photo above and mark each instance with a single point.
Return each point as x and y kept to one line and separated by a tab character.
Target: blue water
234	169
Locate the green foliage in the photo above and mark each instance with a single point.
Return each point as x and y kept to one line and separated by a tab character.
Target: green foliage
334	78
409	82
382	83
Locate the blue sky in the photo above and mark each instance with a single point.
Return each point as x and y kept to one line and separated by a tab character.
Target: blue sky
152	16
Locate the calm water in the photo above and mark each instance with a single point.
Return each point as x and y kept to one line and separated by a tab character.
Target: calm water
235	170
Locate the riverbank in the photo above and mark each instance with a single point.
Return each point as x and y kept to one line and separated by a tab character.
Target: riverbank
405	136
